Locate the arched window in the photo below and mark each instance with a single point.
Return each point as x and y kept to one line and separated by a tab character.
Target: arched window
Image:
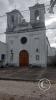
37	15
12	18
37	50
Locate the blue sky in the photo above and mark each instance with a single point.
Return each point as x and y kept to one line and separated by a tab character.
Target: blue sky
8	5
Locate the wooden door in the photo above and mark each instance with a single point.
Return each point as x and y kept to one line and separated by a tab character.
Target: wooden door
23	58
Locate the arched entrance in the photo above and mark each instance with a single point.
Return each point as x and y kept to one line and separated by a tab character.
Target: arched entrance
23	58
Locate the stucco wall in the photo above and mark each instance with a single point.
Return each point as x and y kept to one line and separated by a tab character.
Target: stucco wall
3	50
36	39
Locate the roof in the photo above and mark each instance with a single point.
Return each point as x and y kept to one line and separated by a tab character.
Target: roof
15	11
38	5
47	40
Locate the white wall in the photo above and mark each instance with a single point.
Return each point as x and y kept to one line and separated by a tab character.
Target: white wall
36	39
3	50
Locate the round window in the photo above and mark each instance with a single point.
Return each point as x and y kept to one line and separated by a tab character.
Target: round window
23	40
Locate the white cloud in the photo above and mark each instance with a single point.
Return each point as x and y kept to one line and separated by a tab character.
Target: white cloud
53	45
50	19
4	5
3	37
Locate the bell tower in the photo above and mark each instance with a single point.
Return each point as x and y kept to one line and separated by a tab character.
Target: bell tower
13	19
37	17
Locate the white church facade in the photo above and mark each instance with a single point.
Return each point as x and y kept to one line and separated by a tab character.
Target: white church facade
26	41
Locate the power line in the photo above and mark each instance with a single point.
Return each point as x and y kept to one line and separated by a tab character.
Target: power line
21	11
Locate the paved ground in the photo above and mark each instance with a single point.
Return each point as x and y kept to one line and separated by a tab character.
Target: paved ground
30	74
12	90
26	90
21	74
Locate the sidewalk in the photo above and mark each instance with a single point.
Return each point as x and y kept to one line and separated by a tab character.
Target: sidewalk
27	74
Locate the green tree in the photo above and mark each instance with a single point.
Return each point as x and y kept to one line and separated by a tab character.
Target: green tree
52	3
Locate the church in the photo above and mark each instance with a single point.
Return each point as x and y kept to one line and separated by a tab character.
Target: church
26	41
